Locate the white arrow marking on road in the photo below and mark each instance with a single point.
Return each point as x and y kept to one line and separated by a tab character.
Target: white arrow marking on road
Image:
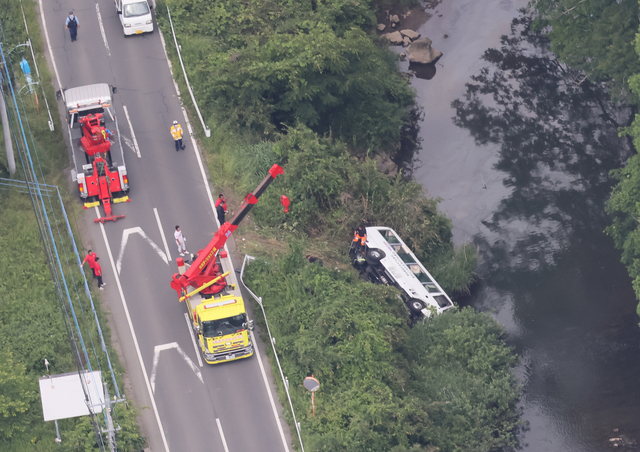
129	143
125	238
104	36
156	358
133	134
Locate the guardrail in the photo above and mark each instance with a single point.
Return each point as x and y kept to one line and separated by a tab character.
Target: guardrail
207	131
285	380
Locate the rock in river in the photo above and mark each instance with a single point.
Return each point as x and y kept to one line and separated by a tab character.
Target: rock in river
395	37
420	51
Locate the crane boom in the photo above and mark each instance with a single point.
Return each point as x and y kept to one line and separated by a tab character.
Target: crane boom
205	268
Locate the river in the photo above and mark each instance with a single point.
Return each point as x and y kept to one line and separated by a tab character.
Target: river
521	165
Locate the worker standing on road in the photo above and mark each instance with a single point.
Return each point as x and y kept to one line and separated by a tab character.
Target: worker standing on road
177	132
181	240
72	24
98	270
91	259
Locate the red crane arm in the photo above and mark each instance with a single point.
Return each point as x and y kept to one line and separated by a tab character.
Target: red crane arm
199	271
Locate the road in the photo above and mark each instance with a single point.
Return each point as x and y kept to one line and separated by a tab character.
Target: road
233	407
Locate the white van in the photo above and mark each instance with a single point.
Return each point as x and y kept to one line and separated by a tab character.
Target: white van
386	259
135	16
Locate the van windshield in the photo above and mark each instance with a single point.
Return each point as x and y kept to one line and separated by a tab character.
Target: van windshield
136	9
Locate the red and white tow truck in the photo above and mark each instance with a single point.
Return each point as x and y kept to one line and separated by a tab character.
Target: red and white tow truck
95	137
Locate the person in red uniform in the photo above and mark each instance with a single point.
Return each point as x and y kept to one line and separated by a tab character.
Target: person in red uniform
98	270
91	259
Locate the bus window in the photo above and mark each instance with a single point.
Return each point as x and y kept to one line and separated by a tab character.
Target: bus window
407	258
442	301
391	238
431	287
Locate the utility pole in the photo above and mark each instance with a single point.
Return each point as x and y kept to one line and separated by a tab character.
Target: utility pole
110	431
8	145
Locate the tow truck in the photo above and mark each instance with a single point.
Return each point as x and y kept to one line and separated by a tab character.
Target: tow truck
215	307
101	180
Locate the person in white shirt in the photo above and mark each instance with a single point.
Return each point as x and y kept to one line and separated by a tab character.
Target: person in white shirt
181	241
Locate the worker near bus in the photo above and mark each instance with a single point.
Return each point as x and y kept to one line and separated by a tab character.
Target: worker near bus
177	132
72	24
360	237
91	259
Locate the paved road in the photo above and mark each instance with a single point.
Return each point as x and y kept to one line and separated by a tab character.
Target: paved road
231	408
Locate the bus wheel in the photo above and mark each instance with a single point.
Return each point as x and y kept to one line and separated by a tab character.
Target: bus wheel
374	256
416	306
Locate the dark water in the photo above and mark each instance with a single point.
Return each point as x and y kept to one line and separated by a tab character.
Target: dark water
521	160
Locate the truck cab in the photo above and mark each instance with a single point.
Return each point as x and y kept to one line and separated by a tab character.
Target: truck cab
222	327
135	16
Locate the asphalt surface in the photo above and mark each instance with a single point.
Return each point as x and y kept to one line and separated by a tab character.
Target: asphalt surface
230	409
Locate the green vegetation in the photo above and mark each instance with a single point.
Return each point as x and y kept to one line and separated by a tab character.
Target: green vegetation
445	384
595	37
32	326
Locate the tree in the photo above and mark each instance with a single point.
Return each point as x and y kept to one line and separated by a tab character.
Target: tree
594	36
17	395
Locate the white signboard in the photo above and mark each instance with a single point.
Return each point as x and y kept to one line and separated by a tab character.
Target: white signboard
63	396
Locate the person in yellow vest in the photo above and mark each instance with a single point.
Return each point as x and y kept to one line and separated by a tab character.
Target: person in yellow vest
177	132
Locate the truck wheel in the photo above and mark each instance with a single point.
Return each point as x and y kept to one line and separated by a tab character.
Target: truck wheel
374	256
415	306
109	160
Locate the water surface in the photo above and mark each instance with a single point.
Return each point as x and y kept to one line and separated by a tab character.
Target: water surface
521	162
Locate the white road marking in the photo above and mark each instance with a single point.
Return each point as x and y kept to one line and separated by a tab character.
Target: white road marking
125	238
193	338
266	384
133	134
164	240
129	143
224	441
104	36
233	277
156	357
53	60
133	334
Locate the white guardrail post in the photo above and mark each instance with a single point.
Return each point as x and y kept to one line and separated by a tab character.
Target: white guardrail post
207	131
285	380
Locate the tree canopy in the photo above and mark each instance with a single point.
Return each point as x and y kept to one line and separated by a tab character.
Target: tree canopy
594	36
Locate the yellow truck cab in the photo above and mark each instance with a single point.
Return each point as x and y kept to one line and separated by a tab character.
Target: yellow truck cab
222	327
